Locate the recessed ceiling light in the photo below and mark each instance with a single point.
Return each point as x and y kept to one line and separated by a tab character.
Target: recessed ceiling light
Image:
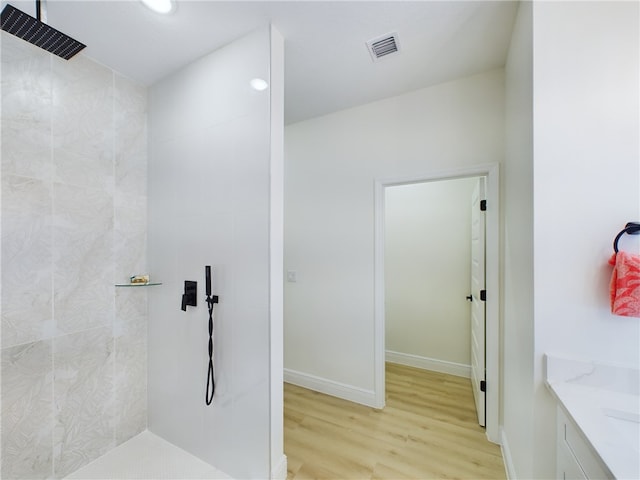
160	6
258	84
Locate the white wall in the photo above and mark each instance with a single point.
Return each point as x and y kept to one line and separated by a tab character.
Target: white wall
517	260
587	185
74	157
210	204
572	126
427	274
330	166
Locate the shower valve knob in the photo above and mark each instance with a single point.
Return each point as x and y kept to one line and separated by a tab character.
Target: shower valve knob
190	295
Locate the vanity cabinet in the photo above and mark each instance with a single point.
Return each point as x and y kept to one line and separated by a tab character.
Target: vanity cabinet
576	459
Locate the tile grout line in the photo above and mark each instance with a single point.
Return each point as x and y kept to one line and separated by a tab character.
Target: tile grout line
1	363
53	285
114	391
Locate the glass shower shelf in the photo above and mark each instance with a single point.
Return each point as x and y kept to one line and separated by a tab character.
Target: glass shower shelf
150	284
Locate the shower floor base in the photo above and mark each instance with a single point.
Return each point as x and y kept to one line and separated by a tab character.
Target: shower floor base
147	456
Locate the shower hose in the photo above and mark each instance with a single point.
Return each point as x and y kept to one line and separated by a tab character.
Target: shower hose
211	383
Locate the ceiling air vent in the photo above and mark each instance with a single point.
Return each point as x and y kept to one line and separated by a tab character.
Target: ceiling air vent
382	46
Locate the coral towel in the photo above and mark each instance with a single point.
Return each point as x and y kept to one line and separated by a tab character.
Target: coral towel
625	284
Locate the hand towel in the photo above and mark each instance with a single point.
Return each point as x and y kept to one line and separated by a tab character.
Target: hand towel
624	288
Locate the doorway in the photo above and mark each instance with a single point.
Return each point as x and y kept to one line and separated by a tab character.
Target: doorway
492	284
427	275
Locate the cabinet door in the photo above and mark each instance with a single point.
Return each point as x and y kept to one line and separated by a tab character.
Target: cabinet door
567	467
576	458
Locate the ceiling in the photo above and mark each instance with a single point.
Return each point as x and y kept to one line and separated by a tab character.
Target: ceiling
327	65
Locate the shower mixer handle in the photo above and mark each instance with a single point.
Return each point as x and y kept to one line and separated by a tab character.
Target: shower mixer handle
190	295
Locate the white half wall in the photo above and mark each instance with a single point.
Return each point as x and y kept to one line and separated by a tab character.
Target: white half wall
427	270
211	177
331	164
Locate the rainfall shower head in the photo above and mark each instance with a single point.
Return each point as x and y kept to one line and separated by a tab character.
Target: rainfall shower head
40	34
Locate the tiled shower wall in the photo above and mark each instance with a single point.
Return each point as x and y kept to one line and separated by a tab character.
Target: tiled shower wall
74	202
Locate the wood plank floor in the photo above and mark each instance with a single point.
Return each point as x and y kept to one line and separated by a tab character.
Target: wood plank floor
427	430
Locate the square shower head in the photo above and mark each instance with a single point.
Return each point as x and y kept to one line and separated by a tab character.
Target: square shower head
40	34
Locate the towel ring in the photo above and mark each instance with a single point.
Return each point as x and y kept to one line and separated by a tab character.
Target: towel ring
631	228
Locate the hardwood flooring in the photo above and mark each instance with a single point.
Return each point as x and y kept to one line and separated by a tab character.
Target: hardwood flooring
428	430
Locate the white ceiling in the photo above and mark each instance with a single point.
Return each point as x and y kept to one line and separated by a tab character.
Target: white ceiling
328	67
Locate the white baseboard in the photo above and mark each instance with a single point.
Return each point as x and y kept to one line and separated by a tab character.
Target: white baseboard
335	389
426	363
279	471
506	456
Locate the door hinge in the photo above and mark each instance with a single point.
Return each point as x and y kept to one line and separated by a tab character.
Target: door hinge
483	386
483	295
483	205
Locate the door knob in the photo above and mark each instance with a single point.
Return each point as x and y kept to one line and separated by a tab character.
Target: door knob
470	298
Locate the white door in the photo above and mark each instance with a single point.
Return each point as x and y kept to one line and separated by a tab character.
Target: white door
478	299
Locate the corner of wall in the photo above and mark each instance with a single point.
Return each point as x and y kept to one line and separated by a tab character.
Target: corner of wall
278	460
517	251
279	469
506	456
330	387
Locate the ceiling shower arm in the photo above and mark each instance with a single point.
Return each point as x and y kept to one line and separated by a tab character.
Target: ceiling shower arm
42	11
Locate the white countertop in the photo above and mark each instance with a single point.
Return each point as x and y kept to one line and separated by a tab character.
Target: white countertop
604	402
